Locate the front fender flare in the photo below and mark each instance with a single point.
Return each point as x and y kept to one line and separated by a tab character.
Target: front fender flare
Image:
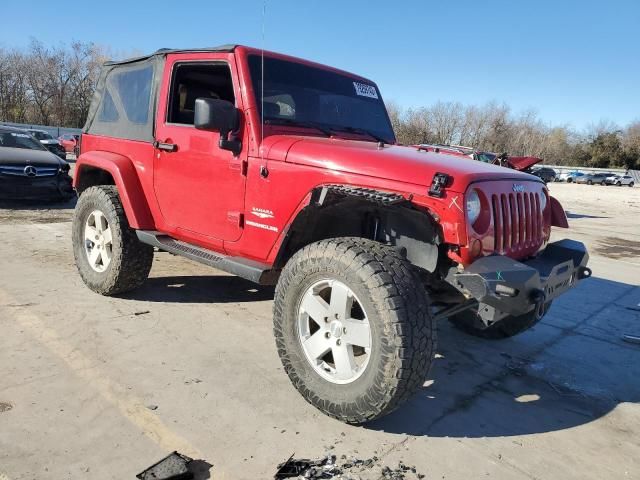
126	179
558	215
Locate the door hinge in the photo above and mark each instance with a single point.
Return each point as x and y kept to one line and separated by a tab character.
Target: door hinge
236	218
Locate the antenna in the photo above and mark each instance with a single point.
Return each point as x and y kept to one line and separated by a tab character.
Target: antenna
264	171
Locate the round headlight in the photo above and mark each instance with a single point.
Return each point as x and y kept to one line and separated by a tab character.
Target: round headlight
473	206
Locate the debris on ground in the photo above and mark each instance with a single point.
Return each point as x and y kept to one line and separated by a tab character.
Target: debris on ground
349	468
172	467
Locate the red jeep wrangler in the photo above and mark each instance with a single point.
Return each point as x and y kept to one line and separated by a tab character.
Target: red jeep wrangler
286	172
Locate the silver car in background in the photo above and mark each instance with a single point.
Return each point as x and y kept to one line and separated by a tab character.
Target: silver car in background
620	180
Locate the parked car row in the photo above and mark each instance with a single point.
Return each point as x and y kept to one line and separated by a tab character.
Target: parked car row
596	178
605	178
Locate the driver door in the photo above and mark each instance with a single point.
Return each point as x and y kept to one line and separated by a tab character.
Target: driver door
199	186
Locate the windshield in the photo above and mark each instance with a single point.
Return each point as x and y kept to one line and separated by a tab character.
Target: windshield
297	94
486	157
19	140
42	135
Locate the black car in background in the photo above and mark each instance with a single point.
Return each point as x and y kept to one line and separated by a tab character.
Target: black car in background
29	171
545	173
52	144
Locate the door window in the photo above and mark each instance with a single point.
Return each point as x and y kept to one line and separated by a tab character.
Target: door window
197	80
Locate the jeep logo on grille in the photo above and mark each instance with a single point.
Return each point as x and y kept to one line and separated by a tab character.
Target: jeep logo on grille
517	187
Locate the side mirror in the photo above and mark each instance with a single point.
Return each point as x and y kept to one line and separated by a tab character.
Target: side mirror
216	115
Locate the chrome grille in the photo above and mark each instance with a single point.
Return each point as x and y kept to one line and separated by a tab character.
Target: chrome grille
517	221
21	171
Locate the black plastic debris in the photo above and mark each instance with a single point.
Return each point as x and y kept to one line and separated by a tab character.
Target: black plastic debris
348	468
172	467
305	468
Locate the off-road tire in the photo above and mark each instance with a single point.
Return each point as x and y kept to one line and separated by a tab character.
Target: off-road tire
402	327
469	322
131	260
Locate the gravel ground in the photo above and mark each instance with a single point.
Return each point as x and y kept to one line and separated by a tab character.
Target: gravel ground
95	387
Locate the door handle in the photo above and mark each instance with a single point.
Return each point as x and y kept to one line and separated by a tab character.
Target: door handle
167	147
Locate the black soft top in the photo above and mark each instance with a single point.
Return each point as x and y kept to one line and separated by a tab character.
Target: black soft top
125	100
165	51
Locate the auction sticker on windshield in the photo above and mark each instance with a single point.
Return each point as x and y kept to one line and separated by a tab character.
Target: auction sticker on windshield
365	90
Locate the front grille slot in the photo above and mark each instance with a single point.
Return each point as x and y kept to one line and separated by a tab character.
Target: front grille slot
517	222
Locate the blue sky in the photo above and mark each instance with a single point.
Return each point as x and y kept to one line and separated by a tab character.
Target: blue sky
574	62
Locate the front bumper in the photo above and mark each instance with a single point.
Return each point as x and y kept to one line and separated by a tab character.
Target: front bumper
504	287
36	188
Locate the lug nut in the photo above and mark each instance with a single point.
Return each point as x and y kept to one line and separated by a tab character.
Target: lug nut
327	335
326	319
338	342
344	330
337	316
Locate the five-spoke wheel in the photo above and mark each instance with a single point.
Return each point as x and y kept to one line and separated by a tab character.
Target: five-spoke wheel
98	241
334	331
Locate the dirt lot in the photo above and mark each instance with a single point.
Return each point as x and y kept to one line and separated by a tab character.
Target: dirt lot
94	387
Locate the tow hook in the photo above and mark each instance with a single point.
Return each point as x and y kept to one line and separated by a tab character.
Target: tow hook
538	297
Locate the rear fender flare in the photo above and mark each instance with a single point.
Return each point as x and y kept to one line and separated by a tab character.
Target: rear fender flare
126	179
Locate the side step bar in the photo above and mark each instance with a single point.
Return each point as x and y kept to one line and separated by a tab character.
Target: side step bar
248	269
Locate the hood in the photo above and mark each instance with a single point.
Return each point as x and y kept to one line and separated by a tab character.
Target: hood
23	157
522	163
400	163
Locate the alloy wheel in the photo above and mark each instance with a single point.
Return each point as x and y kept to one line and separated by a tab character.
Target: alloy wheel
334	331
98	241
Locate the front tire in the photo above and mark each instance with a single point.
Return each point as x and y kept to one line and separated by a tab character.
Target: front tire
631	184
109	256
353	328
469	322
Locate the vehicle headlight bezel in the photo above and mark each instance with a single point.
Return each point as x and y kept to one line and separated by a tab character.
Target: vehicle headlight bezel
473	206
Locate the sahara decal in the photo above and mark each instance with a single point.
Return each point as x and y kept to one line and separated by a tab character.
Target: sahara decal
262	212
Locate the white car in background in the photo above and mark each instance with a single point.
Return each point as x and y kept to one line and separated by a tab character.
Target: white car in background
620	180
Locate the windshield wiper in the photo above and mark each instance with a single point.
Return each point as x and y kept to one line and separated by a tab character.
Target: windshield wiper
297	123
362	131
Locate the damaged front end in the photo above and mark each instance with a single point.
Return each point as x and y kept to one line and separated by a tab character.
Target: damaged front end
501	286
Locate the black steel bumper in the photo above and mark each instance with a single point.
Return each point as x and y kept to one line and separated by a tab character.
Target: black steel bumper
503	286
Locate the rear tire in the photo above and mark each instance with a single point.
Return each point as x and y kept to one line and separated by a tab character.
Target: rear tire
108	254
392	300
469	322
